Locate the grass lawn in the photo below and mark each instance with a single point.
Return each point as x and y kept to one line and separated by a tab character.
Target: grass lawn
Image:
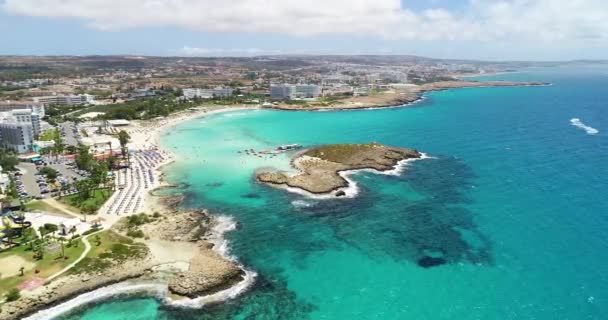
49	265
98	198
41	205
48	135
112	248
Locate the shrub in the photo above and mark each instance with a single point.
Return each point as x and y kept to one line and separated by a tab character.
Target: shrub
138	220
135	233
94	229
13	295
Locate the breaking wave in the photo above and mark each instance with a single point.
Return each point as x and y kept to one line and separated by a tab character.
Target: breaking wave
578	123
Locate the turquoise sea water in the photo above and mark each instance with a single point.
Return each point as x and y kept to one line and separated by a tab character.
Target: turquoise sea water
514	201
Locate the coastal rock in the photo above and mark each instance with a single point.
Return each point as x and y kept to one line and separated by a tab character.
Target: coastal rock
208	273
320	167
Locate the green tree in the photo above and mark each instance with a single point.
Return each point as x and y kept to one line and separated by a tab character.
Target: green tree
50	173
59	146
123	138
83	158
87	208
84	188
8	160
51	228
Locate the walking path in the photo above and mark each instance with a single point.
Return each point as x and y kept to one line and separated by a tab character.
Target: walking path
87	249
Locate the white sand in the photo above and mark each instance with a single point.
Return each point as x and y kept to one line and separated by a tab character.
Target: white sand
9	266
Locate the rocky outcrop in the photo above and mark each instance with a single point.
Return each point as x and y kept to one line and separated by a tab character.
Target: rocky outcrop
320	167
208	273
188	226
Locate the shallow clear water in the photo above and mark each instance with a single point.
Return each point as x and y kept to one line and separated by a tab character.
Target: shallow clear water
514	201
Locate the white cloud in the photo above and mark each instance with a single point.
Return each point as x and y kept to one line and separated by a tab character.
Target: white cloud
548	20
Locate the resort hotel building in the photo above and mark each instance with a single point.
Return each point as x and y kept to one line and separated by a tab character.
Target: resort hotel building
20	124
66	100
291	91
219	92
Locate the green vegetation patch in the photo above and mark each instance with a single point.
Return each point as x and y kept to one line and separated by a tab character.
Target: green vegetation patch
340	153
109	248
46	263
49	135
93	203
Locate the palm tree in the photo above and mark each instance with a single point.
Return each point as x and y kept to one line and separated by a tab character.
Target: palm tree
59	144
123	138
61	240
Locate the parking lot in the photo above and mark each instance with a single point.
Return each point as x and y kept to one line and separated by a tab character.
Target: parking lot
31	184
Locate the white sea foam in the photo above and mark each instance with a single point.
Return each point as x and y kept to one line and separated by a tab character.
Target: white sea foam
352	190
578	123
101	294
302	203
235	114
222	225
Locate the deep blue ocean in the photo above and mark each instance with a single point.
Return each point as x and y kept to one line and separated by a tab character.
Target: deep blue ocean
514	204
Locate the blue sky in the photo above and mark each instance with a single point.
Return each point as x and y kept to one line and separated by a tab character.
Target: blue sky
476	29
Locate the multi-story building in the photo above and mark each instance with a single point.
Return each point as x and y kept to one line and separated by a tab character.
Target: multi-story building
219	92
16	135
26	116
18	129
307	91
36	107
282	92
66	100
289	91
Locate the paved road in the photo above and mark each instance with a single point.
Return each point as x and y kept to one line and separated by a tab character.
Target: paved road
70	137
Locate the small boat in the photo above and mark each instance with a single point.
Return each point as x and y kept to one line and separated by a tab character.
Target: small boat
289	147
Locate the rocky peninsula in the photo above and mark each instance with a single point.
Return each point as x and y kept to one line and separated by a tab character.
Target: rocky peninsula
319	169
399	96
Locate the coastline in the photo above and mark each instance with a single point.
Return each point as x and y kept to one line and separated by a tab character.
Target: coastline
74	291
151	139
405	97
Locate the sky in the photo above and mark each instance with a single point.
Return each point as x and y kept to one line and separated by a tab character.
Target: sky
463	29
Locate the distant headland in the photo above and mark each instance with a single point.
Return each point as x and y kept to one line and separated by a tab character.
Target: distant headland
399	96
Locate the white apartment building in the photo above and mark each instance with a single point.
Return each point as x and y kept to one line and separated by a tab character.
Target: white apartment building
18	129
66	100
289	91
16	135
36	107
222	92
